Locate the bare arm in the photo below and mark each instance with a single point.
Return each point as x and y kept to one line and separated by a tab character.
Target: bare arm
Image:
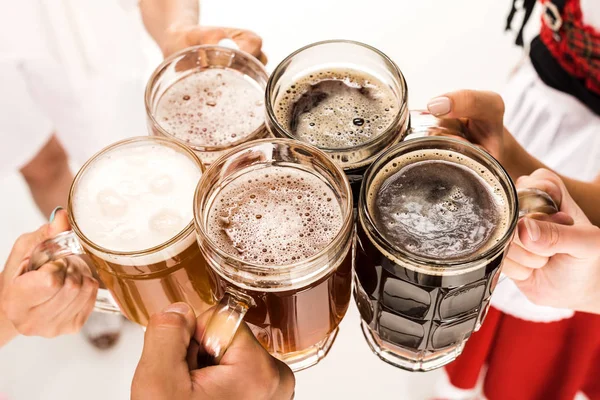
49	177
519	162
162	18
174	26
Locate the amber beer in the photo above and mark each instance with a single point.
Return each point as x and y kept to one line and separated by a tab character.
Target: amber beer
274	220
130	209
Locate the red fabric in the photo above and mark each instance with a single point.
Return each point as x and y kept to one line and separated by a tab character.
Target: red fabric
530	361
578	50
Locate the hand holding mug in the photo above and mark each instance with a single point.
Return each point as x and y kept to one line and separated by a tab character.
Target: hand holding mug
54	300
555	260
168	368
481	112
186	36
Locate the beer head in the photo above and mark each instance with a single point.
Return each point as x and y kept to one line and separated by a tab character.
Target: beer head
439	205
210	98
346	98
135	195
274	214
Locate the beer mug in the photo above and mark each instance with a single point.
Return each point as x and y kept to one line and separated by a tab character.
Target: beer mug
130	212
346	98
274	221
210	98
435	218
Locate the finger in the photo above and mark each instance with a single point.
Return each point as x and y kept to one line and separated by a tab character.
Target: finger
71	318
516	271
472	104
66	295
205	35
247	41
263	58
37	287
547	238
88	307
166	341
524	257
287	382
565	202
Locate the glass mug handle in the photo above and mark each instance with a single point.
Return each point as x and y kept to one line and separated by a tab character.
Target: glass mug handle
224	322
63	245
533	201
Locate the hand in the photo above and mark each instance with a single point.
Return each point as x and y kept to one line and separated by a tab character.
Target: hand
481	112
168	368
54	300
183	37
555	260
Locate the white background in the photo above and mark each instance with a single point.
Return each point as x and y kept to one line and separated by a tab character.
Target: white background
440	45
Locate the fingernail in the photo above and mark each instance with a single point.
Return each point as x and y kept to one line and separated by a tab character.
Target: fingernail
439	106
53	215
179	308
533	230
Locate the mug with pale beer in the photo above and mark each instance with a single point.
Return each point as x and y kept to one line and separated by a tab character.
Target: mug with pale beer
435	217
210	98
130	209
346	98
274	221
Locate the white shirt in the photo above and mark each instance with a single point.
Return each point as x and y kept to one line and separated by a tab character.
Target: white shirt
74	67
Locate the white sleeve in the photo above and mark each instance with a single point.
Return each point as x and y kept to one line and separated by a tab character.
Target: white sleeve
24	126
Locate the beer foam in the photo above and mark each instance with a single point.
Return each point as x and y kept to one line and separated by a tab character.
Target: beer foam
212	107
274	216
337	108
136	196
439	204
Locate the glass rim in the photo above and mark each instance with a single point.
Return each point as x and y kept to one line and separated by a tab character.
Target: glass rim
167	62
432	264
253	267
189	228
396	72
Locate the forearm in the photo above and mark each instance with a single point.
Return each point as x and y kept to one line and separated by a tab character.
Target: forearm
518	162
7	330
160	17
49	177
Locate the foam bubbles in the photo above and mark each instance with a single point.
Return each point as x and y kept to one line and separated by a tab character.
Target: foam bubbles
274	216
337	108
136	196
438	204
212	107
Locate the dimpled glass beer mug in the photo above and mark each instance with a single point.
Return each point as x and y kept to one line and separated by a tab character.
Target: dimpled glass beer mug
274	220
130	209
210	98
435	217
346	98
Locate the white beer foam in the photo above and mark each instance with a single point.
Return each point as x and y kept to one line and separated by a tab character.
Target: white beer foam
135	197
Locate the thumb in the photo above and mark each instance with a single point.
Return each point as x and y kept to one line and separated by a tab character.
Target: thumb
166	341
547	238
472	104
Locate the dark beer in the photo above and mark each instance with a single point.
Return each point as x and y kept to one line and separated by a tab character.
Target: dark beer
432	226
346	98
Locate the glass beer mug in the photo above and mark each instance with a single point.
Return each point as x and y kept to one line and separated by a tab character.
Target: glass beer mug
130	212
435	218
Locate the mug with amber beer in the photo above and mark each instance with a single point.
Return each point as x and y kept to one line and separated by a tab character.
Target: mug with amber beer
130	209
435	217
274	221
210	98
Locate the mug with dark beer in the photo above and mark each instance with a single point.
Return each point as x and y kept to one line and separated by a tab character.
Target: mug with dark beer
346	98
435	217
